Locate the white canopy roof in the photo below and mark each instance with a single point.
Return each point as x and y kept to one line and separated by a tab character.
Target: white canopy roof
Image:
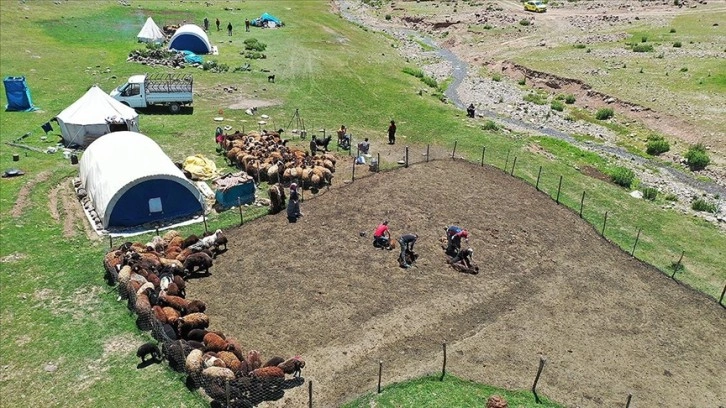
118	161
151	32
92	114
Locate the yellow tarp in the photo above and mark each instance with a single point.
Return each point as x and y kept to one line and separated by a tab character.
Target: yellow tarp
200	167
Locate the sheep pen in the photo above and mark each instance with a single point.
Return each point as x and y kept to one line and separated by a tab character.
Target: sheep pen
549	286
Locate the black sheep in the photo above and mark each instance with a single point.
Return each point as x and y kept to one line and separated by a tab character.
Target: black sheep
197	262
148	349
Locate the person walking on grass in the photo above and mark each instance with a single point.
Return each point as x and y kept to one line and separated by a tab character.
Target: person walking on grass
392	133
218	25
206	24
247	25
229	29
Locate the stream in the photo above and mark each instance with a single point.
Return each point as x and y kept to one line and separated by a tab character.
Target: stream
459	72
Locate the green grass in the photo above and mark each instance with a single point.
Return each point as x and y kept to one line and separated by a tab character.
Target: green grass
430	392
55	307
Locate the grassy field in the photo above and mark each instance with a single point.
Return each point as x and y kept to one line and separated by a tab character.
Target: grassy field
64	338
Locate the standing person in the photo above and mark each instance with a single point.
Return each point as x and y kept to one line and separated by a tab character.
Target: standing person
217	25
293	192
382	235
392	133
293	209
247	25
471	111
206	24
313	145
407	241
454	234
229	29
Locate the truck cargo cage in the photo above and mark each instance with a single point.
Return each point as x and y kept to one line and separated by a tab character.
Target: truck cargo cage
168	83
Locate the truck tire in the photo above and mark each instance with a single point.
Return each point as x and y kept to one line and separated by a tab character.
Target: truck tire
174	108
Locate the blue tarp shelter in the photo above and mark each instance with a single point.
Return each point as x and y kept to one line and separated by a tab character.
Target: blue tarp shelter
240	194
132	182
264	19
18	94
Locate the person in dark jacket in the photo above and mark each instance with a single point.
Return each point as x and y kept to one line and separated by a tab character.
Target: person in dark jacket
407	242
293	210
229	29
392	133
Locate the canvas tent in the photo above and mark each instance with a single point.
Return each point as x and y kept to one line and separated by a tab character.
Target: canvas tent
266	19
151	33
190	37
131	182
94	115
18	94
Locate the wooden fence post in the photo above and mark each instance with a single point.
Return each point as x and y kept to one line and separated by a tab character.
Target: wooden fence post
353	176
156	227
443	368
582	202
637	237
204	218
406	156
539	173
559	187
484	149
506	162
378	165
677	266
723	292
428	150
380	373
514	163
536	379
110	241
604	221
310	394
453	153
627	402
241	217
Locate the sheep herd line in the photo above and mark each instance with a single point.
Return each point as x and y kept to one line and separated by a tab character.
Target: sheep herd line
152	277
266	157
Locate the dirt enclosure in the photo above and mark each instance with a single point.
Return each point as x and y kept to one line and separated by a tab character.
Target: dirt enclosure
608	325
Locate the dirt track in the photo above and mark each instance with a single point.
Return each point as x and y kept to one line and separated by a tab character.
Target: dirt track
607	324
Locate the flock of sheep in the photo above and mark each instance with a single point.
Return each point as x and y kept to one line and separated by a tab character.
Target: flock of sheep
152	277
265	156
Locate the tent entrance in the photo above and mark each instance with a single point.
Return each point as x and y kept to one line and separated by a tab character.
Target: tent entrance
117	127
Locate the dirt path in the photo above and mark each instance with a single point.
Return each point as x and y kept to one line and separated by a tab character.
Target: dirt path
23	199
550	286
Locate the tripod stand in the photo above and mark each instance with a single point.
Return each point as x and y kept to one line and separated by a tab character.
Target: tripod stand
299	122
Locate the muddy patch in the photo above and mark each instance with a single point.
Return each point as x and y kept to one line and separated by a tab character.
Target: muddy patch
247	103
23	199
595	173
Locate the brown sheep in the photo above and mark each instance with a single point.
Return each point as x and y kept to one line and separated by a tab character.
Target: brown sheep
170	235
253	360
176	302
197	262
268	372
172	315
196	306
143	311
213	342
230	360
159	314
196	335
236	348
189	241
193	321
293	366
173	290
274	361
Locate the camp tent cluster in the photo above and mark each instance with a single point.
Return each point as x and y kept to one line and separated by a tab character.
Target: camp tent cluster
93	115
131	182
190	37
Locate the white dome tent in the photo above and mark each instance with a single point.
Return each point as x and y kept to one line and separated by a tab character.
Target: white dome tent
190	37
131	183
93	115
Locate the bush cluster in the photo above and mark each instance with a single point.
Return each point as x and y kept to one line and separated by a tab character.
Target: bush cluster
604	114
252	44
657	145
214	66
622	176
524	22
490	125
570	99
697	158
413	71
701	204
557	105
650	193
643	48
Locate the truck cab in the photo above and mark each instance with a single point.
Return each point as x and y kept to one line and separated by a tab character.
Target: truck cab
132	93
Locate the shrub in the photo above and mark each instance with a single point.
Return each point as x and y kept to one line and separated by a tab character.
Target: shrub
252	44
570	99
588	50
213	66
622	176
657	146
673	30
524	22
535	98
671	197
677	44
487	27
413	71
388	17
697	158
704	205
430	81
496	77
650	193
557	105
522	81
604	114
490	125
643	48
255	55
580	46
644	39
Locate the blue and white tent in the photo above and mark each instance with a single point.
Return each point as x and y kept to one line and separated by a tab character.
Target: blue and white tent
190	37
266	19
18	94
132	182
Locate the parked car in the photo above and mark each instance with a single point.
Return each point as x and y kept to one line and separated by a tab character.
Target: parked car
535	5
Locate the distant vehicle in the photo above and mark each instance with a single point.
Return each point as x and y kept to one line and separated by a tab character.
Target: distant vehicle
142	91
536	6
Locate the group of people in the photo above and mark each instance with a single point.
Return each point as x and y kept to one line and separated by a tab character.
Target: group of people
382	239
458	257
229	26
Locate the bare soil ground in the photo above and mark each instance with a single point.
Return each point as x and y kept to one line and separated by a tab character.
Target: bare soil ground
550	286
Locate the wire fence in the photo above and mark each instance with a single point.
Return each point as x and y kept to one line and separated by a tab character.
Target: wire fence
547	182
